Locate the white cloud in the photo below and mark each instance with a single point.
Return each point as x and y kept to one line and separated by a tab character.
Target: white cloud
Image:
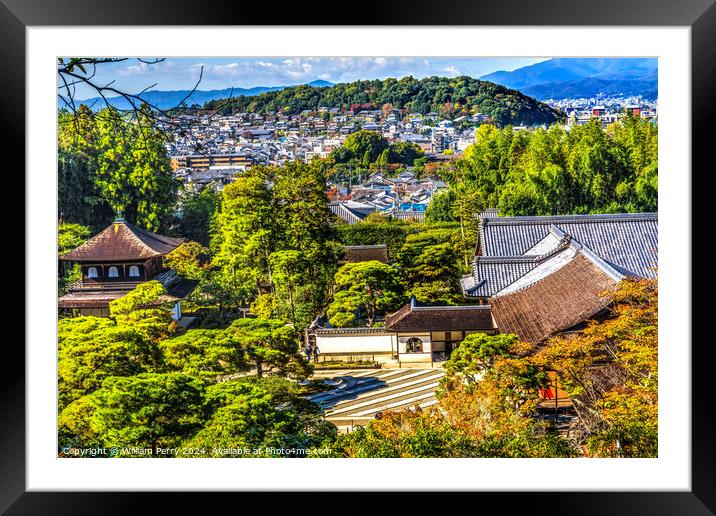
182	73
139	68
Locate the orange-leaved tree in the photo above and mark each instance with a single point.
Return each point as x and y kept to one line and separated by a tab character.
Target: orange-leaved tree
610	373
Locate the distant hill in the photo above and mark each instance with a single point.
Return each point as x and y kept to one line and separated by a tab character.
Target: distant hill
170	99
570	73
321	83
591	87
452	96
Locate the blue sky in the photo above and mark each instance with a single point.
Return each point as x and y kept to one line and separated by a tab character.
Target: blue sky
182	73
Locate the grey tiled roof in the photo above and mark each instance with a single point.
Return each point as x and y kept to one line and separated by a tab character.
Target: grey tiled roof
351	215
493	273
626	241
405	215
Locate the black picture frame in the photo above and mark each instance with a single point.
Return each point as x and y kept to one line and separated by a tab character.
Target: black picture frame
700	15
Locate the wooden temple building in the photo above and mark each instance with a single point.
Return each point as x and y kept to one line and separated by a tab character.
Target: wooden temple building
114	262
535	277
550	274
415	334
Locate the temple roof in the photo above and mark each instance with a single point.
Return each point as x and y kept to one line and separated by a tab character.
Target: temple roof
491	274
413	317
363	253
627	241
89	299
177	289
558	300
122	241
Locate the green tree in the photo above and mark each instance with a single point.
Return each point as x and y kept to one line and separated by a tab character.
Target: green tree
370	287
91	349
431	275
556	171
287	268
450	95
243	240
273	210
440	208
477	354
189	260
77	161
148	410
74	424
109	165
204	353
134	175
392	234
405	152
70	236
255	415
362	145
269	345
430	262
196	211
419	164
305	232
145	309
382	161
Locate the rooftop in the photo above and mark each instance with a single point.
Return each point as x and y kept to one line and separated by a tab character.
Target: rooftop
558	301
122	241
350	331
350	211
627	241
177	288
362	253
414	317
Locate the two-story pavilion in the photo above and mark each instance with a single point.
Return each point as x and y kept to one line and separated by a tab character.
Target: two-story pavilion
115	261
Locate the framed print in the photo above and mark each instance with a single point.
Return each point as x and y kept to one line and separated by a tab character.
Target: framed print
417	255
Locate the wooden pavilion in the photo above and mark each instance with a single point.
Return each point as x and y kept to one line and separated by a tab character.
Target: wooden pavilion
114	262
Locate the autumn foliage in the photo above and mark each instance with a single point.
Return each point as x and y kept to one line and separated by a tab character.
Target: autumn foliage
490	401
610	371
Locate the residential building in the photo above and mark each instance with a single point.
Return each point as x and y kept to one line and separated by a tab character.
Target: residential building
204	162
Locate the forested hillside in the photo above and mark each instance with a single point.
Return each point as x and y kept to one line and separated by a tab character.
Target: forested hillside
451	97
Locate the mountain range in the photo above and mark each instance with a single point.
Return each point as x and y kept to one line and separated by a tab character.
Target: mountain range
170	99
564	78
